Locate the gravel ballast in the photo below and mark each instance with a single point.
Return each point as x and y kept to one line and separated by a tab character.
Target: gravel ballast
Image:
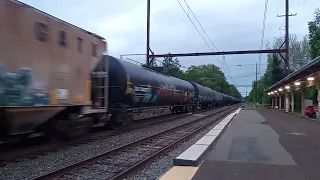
31	168
164	163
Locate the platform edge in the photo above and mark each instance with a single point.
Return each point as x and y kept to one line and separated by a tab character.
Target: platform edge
191	162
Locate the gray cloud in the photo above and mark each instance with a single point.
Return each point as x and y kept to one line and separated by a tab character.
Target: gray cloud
232	25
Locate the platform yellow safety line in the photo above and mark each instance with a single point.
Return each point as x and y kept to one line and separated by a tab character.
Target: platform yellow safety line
180	173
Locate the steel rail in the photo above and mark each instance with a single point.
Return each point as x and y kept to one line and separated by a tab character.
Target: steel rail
63	171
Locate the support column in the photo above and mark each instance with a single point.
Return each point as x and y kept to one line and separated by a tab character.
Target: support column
318	98
284	101
286	97
280	103
276	101
292	101
303	104
272	102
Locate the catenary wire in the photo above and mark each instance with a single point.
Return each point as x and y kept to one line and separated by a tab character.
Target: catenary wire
201	35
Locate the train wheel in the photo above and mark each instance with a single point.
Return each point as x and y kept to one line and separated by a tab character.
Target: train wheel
53	135
86	125
69	129
189	109
186	109
173	110
126	120
194	108
115	122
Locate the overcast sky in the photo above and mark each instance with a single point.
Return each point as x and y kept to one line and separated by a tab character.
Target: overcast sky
231	25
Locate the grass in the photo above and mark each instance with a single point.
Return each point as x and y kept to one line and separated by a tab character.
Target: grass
255	105
251	105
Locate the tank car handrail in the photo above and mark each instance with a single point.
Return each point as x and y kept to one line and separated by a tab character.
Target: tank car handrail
158	87
150	69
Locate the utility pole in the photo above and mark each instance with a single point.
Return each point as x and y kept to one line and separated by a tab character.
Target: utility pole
257	82
286	38
148	33
246	91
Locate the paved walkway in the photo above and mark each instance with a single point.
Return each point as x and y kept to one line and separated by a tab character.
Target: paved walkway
265	145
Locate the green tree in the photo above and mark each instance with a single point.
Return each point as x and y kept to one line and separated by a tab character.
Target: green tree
314	35
208	75
277	71
273	74
314	42
154	63
299	51
211	76
172	67
234	91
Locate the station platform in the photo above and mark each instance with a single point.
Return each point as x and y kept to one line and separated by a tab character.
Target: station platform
262	144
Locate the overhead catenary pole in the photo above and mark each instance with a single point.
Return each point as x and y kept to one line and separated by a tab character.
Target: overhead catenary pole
148	33
287	39
246	91
219	53
256	82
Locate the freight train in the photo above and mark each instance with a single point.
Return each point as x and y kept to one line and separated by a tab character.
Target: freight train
133	88
119	89
55	81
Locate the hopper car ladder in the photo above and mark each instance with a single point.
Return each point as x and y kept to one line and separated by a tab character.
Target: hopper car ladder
102	85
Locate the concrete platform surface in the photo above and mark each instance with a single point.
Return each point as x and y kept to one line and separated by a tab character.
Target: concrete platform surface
247	139
265	145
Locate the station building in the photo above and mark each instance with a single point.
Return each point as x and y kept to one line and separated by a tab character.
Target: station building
282	92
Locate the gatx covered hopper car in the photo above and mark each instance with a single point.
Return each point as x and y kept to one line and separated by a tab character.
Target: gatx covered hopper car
55	80
45	71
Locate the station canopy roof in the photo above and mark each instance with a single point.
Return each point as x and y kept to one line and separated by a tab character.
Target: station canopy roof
309	70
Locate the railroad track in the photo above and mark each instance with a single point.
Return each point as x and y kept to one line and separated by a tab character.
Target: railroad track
33	152
121	162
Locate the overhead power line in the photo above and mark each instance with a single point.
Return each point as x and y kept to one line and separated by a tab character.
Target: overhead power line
200	32
123	55
246	65
244	76
291	3
206	33
263	28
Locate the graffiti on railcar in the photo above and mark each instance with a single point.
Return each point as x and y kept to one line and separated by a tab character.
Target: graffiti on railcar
143	95
15	89
165	93
171	93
